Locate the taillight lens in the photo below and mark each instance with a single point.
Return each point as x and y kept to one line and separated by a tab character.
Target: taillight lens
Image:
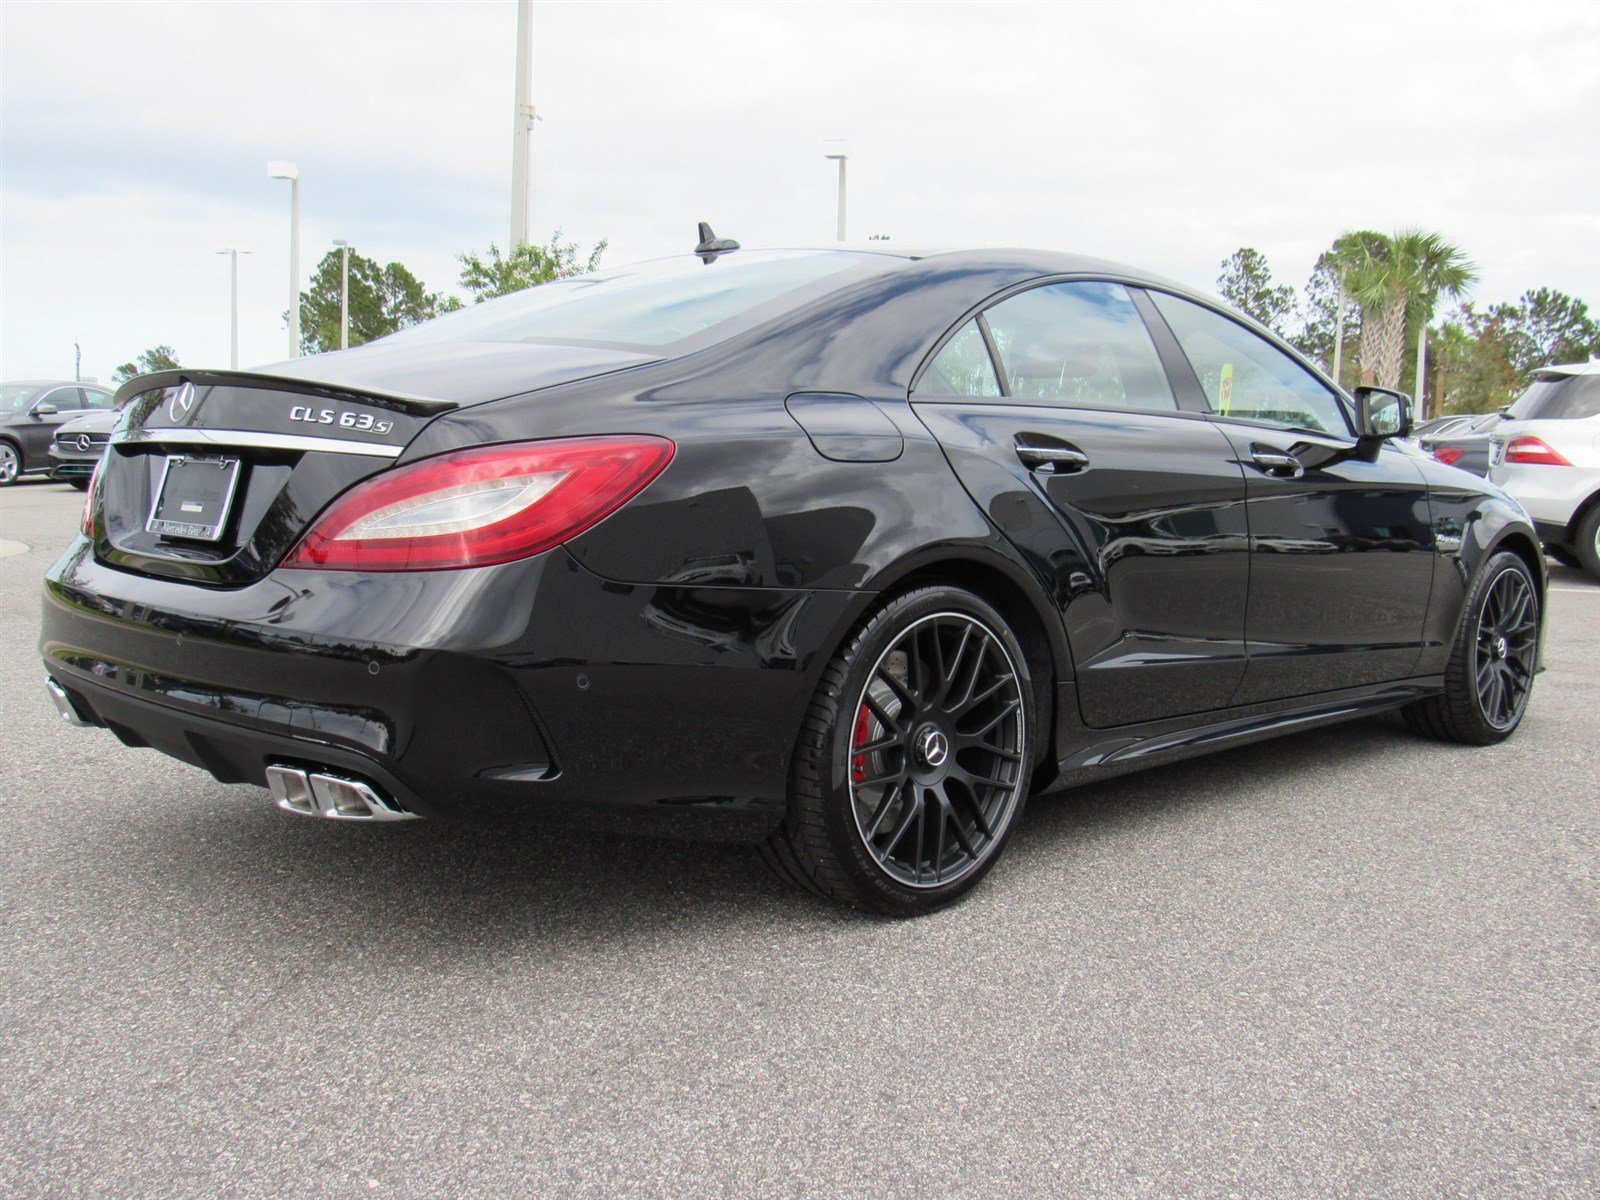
1535	451
86	521
474	508
1449	455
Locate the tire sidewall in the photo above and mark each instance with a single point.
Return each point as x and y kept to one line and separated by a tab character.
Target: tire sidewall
1497	566
860	657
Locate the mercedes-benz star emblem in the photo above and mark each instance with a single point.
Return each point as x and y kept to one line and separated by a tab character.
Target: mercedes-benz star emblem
932	746
182	401
84	442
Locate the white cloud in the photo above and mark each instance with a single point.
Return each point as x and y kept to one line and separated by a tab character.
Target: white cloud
135	139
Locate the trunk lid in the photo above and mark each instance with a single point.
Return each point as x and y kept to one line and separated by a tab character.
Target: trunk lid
300	433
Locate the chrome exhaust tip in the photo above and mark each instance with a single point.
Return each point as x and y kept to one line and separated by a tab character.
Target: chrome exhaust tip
64	705
337	797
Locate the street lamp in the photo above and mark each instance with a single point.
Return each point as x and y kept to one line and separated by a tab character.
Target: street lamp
840	155
344	292
233	253
278	169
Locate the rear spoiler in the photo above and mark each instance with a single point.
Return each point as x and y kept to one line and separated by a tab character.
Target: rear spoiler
416	406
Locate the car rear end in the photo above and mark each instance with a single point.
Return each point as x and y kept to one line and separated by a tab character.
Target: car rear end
1546	452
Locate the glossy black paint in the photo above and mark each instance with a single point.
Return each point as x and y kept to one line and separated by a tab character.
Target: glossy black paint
1170	598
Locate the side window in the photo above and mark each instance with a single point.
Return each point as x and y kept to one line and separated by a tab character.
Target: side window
1246	376
67	399
96	399
962	368
1080	345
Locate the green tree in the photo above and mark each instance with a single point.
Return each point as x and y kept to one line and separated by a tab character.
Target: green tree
1474	371
1551	327
382	300
157	358
1246	283
493	274
1393	278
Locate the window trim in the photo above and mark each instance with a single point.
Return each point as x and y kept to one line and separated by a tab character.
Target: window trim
66	387
1341	401
978	313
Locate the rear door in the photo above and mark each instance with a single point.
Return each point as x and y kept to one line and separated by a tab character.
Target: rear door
1082	456
1342	552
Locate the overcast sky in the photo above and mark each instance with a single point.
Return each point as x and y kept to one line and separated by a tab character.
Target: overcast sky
136	137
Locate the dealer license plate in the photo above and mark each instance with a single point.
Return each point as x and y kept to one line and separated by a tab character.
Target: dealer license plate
193	497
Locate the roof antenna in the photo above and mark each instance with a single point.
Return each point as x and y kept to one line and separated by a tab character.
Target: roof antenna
711	245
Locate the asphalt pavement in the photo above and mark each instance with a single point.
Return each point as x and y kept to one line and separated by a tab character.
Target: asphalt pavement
1348	963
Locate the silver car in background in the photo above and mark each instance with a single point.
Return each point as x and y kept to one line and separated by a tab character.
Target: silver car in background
1546	454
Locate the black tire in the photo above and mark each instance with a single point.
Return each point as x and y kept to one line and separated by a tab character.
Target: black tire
1489	677
900	800
1565	557
81	485
1586	544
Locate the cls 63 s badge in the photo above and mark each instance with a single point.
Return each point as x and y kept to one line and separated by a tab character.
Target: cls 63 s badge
359	421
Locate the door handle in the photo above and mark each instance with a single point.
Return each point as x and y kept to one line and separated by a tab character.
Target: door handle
1276	462
1050	458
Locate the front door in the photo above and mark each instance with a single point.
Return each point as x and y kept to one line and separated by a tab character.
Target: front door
1133	508
1341	544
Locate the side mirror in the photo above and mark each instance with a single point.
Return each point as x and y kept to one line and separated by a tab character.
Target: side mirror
1382	414
45	410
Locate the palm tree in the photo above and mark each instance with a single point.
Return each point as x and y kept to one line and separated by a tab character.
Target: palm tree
1391	278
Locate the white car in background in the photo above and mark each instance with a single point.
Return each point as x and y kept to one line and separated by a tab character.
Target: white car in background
1546	454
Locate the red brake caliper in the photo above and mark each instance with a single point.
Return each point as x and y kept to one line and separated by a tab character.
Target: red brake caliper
858	762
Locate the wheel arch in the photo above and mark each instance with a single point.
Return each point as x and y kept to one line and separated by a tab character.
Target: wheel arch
1019	597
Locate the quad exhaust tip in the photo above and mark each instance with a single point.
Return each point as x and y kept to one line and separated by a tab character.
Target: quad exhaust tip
337	797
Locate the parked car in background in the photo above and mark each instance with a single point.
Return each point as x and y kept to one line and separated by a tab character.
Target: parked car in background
1546	453
78	445
1463	443
31	410
1437	426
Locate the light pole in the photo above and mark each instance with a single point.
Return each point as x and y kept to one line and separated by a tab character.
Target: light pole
344	292
841	155
233	253
522	119
278	169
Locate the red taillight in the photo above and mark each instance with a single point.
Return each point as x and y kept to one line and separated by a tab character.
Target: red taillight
473	508
1535	451
1449	455
86	521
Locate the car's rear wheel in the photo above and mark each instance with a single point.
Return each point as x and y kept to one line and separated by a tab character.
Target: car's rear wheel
1587	542
1490	673
912	765
10	464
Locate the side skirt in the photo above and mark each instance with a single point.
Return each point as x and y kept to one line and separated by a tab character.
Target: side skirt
1099	754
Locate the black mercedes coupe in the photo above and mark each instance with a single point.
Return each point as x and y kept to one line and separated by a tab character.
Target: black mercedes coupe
842	552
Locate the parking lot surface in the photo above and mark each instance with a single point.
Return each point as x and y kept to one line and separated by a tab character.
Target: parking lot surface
1347	963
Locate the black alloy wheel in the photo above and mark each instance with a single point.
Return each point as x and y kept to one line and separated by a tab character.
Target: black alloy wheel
1505	648
1489	677
914	761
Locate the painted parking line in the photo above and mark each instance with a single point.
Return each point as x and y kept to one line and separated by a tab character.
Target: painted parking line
1586	591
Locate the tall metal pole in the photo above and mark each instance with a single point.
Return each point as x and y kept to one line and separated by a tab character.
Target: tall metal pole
522	122
1338	333
841	160
294	270
233	253
344	292
1421	403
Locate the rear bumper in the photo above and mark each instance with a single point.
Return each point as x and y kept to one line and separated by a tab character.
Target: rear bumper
1550	494
535	687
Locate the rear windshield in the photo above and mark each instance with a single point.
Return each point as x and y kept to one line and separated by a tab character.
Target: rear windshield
655	303
1559	397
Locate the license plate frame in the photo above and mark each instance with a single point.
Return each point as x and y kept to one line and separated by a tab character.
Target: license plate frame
204	500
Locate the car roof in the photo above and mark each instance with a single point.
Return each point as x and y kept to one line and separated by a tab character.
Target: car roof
1584	368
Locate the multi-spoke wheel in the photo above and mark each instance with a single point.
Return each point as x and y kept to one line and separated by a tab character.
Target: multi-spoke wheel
10	463
1490	673
915	758
1503	651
